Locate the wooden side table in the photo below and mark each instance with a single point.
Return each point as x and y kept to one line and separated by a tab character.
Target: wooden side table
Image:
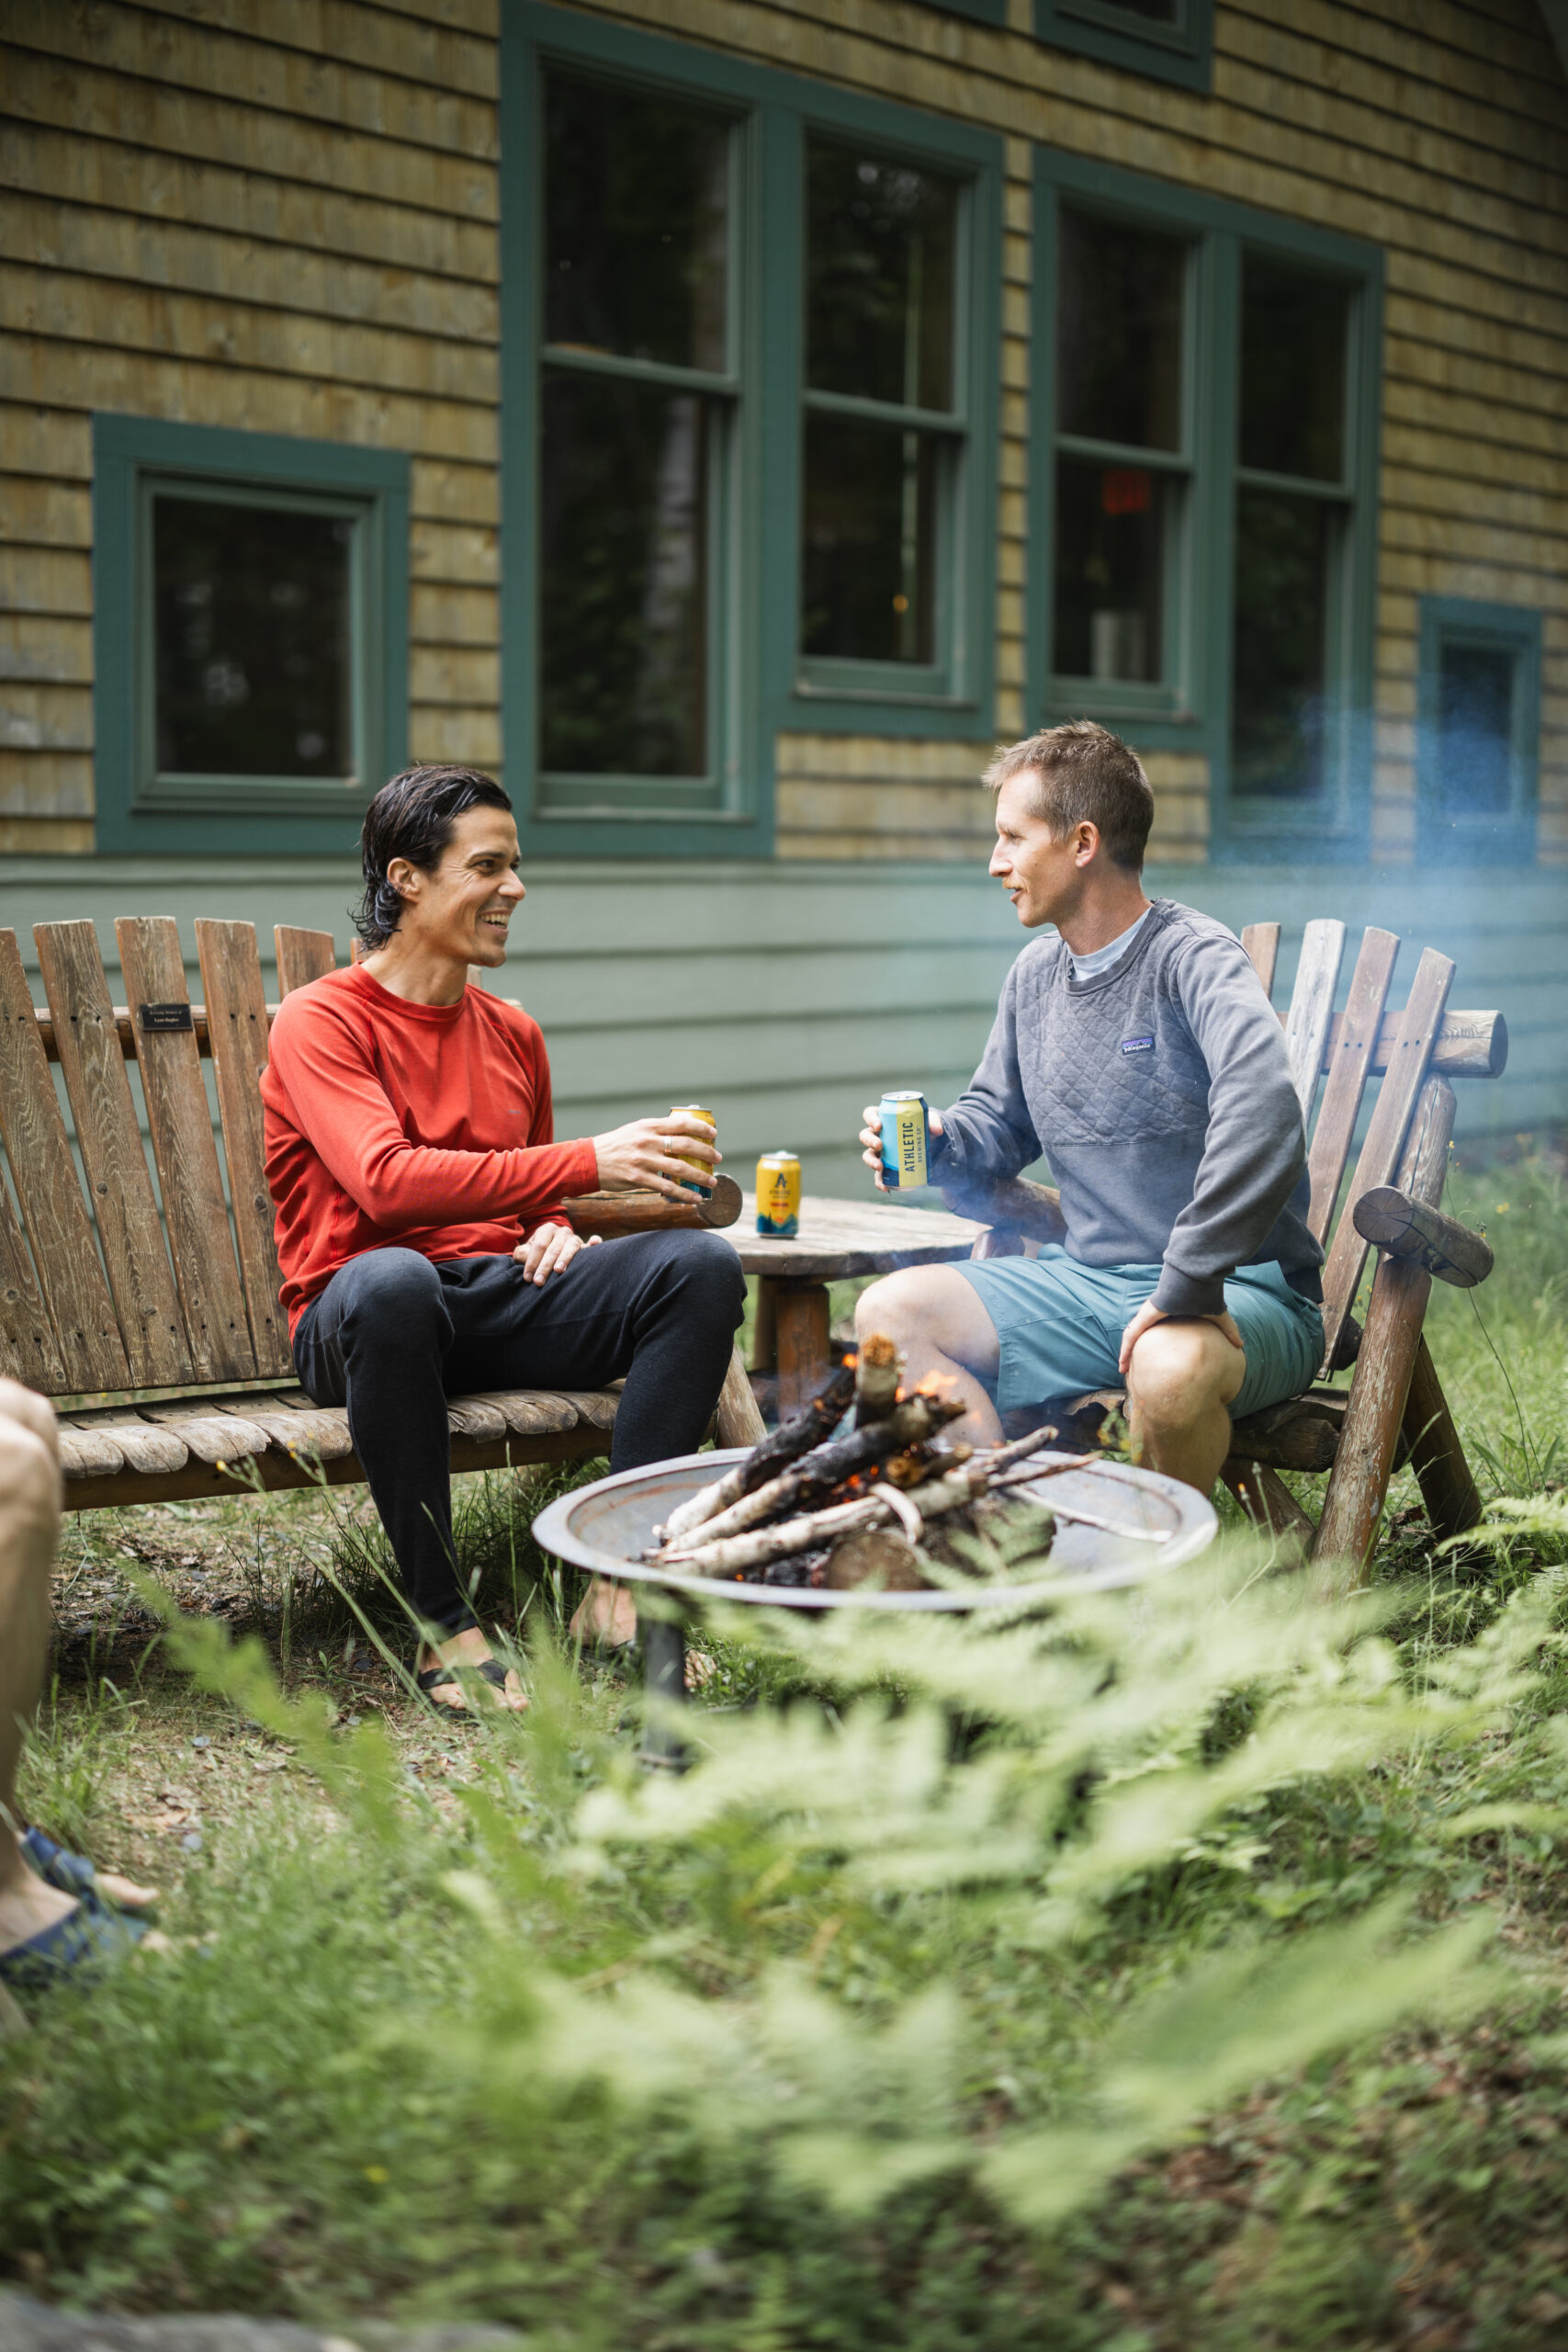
838	1240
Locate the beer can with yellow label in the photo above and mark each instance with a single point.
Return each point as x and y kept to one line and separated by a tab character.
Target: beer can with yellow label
778	1194
701	1179
906	1156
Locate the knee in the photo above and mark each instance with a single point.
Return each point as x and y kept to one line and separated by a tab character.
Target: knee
395	1297
1180	1372
704	1273
894	1306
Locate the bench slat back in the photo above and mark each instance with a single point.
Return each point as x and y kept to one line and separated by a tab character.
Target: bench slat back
302	955
59	1327
179	1118
146	1302
237	1029
1349	1066
1312	1007
1260	942
1386	1133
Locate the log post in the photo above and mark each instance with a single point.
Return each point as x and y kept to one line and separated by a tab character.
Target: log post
765	1329
1450	1493
1379	1391
739	1419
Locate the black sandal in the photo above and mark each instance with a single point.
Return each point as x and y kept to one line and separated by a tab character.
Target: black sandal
441	1678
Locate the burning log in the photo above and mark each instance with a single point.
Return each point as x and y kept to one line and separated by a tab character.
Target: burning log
878	1371
808	1508
808	1429
818	1472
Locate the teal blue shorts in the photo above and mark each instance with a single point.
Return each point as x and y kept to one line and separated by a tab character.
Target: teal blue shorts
1059	1327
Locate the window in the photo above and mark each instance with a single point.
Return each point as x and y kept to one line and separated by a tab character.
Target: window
749	326
636	445
1478	723
1207	422
1122	461
250	631
1168	39
881	432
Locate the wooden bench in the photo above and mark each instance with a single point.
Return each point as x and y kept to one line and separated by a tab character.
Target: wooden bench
174	1310
1395	1411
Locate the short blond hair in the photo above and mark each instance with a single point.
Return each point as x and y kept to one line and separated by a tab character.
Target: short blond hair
1087	776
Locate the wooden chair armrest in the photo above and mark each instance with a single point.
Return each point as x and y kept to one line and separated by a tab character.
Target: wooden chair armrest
1012	1204
611	1215
1408	1228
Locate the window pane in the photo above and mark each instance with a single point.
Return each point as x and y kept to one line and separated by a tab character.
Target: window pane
868	585
1281	626
623	587
1475	708
252	640
1292	372
1153	12
1110	533
881	242
635	225
1119	333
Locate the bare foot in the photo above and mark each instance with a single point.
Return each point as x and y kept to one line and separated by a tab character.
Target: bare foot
124	1893
605	1617
468	1648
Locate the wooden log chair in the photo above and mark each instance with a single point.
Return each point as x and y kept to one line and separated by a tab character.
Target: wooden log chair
177	1315
1395	1413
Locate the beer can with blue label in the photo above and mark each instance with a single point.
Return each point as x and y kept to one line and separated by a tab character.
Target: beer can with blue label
905	1140
778	1194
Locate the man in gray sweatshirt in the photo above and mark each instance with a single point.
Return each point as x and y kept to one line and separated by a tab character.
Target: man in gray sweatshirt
1136	1050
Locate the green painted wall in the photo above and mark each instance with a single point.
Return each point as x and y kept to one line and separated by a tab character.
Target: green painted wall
786	996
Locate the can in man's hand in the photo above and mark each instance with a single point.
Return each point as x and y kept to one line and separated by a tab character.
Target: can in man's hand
905	1140
778	1194
701	1179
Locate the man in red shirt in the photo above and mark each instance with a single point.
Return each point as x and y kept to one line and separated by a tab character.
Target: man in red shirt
425	1253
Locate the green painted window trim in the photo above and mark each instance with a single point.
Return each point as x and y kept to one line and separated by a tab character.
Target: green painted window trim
1195	714
1441	838
140	813
1097	29
983	12
767	690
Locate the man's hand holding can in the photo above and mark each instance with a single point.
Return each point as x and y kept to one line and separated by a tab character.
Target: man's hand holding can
873	1146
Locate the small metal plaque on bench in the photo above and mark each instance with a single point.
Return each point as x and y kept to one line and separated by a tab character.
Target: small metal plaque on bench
164	1016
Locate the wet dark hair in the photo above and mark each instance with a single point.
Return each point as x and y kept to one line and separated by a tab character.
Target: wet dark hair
412	816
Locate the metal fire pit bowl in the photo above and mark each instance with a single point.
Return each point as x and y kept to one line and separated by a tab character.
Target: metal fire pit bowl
602	1528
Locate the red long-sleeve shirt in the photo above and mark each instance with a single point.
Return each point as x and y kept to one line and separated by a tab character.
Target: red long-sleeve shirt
423	1127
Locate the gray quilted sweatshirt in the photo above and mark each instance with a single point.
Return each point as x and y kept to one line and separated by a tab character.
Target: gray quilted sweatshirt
1160	1094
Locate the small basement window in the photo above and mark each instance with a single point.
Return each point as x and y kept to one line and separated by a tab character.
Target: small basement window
250	626
1478	719
1169	40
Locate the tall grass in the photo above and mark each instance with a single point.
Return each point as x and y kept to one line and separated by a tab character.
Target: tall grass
896	2019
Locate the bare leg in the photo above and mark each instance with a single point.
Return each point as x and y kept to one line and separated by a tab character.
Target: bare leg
935	1318
29	1517
1182	1377
606	1615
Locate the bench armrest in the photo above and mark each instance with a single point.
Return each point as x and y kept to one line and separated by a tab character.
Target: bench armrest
611	1215
1011	1204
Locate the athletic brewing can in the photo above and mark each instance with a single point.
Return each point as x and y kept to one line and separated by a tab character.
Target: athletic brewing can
905	1156
778	1194
701	1179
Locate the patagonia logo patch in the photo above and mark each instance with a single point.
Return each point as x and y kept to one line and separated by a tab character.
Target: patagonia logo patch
1137	1044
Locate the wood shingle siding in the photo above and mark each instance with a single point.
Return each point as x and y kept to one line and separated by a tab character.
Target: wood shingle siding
284	219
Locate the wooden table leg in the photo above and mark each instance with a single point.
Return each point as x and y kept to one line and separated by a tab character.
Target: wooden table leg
800	1311
764	1330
